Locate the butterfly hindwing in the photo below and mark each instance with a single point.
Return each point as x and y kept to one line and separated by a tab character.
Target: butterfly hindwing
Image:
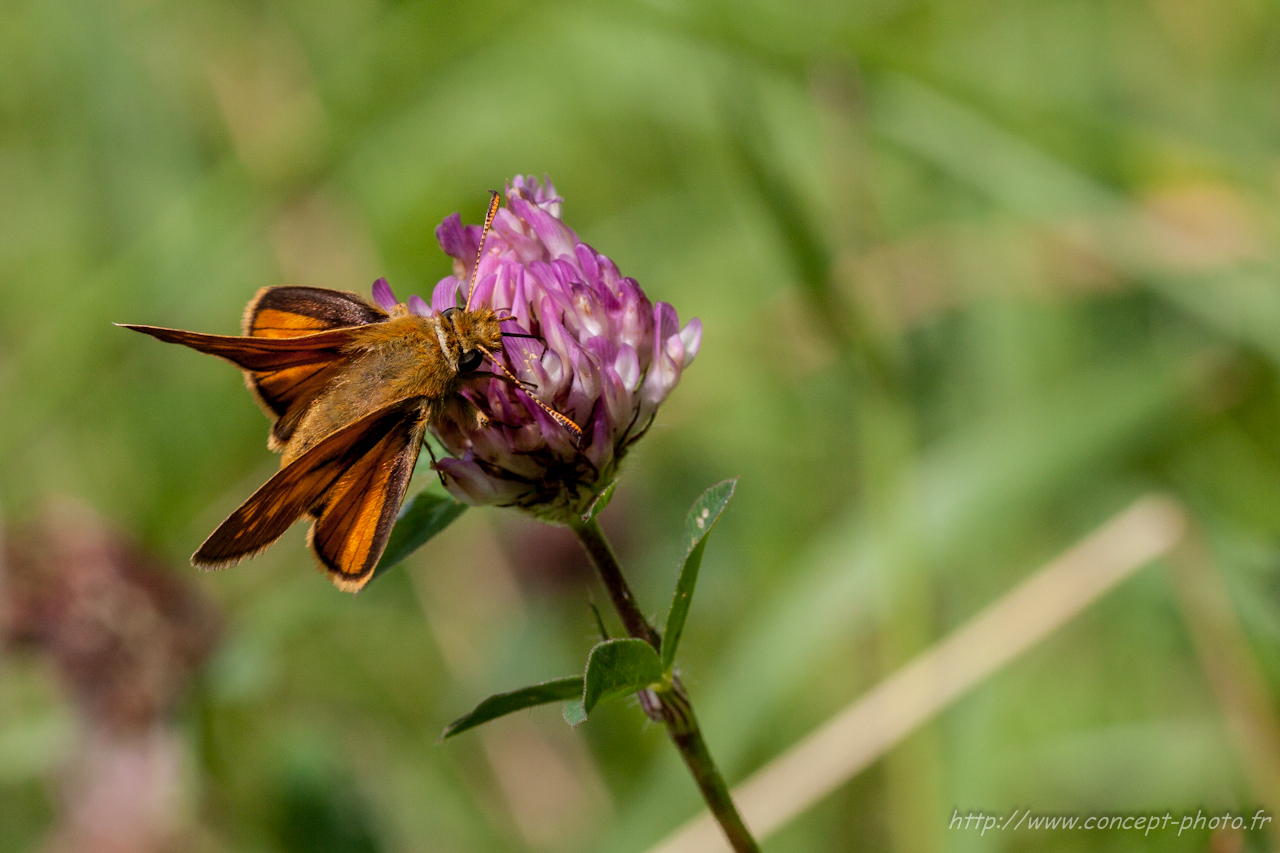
288	393
291	312
303	486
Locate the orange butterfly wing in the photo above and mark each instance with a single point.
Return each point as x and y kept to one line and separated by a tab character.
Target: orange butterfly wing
291	312
352	481
354	520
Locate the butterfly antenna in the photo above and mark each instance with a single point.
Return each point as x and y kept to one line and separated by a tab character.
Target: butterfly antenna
488	220
556	416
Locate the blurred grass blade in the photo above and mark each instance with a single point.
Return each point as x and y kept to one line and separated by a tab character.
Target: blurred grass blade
619	668
425	515
501	704
946	505
968	146
751	141
865	730
991	477
703	516
1242	301
1231	667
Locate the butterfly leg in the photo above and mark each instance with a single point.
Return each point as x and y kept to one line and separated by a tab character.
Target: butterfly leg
537	338
434	462
510	380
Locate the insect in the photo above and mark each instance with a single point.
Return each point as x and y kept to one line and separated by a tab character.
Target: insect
352	389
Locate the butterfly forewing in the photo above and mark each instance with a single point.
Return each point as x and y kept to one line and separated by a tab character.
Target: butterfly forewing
258	354
284	374
303	486
357	513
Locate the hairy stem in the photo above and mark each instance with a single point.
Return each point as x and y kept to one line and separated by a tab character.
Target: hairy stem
671	706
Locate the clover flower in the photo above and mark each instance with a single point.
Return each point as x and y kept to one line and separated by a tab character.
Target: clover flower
590	346
602	354
125	632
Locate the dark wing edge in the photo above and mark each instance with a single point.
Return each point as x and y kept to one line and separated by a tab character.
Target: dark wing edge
291	310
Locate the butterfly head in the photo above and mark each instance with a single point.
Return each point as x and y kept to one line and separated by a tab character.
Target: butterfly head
476	332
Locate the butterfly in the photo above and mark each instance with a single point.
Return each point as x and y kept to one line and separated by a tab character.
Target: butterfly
351	388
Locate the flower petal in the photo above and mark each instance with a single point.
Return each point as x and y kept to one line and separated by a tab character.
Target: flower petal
458	242
471	484
557	239
445	294
383	296
418	306
691	337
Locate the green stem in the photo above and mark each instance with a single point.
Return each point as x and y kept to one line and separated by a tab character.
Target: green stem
670	706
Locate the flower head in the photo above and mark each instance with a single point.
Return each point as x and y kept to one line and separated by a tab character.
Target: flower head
601	354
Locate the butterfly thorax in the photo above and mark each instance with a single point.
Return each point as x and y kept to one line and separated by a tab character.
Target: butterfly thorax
405	356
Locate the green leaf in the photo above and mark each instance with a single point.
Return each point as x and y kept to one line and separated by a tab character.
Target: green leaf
574	715
500	704
420	519
619	668
601	501
702	517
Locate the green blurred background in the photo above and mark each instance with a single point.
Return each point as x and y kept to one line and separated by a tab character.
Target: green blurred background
973	276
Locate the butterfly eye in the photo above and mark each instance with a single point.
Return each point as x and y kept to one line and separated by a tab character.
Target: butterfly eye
470	360
447	312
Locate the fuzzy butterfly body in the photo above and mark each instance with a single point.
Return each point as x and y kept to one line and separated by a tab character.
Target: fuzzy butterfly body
351	389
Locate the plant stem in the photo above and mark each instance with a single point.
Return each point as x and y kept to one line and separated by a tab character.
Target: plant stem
669	706
606	563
